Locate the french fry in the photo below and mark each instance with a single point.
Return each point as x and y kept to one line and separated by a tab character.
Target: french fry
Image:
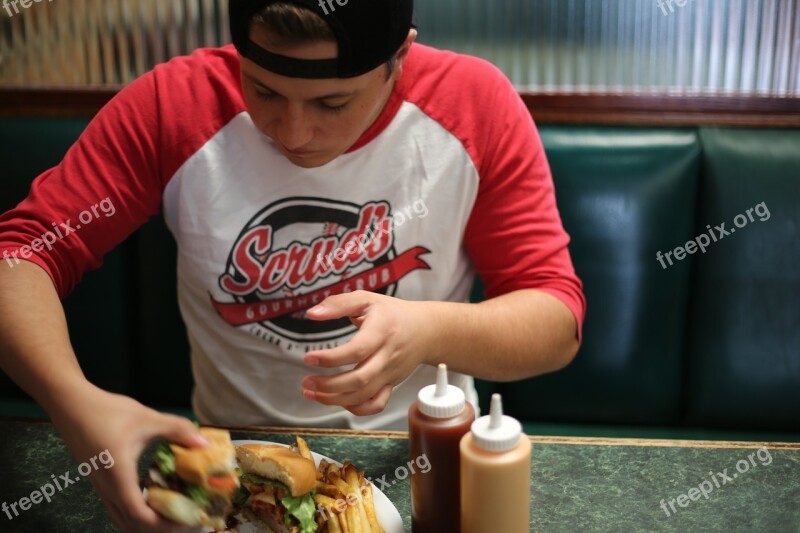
326	502
369	506
331	468
333	524
302	446
329	490
353	520
340	484
331	508
350	475
346	486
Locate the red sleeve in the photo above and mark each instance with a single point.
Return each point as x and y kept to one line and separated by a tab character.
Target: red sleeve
112	179
514	234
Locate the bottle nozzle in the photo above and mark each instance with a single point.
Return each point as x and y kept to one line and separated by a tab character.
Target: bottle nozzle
496	412
441	400
441	380
496	432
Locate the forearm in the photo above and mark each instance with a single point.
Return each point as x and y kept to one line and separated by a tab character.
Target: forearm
518	335
34	344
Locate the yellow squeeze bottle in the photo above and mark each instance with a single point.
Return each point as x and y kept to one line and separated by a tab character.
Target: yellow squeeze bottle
495	475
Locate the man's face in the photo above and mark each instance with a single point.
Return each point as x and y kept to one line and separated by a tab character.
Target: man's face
312	122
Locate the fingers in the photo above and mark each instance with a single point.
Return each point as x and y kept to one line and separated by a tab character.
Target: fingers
351	304
125	502
374	405
181	431
360	378
343	399
361	346
351	388
122	482
360	403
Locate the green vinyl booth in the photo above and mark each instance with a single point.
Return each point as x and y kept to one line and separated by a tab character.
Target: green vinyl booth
708	346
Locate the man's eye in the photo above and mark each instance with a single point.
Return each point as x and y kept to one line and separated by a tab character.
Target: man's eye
265	96
333	109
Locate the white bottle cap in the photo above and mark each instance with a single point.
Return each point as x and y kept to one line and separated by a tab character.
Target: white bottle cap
441	400
496	432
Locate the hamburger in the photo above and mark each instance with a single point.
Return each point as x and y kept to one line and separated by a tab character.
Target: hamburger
277	488
195	486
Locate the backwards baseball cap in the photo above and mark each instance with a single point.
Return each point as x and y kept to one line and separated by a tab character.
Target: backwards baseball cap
369	33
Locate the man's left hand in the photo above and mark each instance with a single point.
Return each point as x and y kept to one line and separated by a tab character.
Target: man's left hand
394	337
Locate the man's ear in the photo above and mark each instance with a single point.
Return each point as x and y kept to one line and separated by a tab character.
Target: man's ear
402	54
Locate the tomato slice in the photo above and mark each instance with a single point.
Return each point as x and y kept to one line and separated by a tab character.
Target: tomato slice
227	482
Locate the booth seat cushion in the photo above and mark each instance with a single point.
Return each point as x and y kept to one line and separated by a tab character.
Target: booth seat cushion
744	351
163	369
623	194
98	310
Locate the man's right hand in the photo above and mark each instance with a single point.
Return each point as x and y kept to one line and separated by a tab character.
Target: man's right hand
36	353
92	420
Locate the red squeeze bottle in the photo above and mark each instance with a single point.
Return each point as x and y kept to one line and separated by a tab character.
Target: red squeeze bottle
436	423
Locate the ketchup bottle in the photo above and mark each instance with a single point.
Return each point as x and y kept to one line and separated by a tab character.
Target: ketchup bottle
436	423
495	475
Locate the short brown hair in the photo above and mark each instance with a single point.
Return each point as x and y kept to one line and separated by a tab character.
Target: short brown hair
292	24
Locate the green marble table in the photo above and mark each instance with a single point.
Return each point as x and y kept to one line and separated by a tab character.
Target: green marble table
614	485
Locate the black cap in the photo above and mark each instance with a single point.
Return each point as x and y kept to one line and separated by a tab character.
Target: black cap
369	33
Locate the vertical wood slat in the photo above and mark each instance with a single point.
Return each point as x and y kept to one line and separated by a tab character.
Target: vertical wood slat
794	72
783	46
767	45
123	38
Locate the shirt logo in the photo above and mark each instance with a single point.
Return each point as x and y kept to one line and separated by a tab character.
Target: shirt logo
296	252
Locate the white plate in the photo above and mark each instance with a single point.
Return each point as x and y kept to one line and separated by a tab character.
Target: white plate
386	512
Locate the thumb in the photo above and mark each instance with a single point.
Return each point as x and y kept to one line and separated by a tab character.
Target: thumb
351	304
179	430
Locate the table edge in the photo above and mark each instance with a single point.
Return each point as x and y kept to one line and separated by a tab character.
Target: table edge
584	441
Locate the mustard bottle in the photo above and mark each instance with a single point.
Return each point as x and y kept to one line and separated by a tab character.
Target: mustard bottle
495	475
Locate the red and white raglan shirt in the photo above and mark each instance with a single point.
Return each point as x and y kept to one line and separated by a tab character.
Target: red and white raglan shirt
451	180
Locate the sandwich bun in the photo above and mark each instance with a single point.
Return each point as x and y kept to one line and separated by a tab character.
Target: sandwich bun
280	464
182	509
196	465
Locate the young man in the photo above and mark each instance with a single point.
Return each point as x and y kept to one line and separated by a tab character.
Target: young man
332	187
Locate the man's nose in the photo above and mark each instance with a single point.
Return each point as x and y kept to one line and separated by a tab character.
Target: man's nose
295	130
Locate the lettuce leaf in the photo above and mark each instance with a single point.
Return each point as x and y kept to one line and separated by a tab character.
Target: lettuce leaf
198	494
165	460
241	496
303	509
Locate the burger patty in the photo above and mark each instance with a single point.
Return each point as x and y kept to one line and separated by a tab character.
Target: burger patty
262	507
218	505
272	519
